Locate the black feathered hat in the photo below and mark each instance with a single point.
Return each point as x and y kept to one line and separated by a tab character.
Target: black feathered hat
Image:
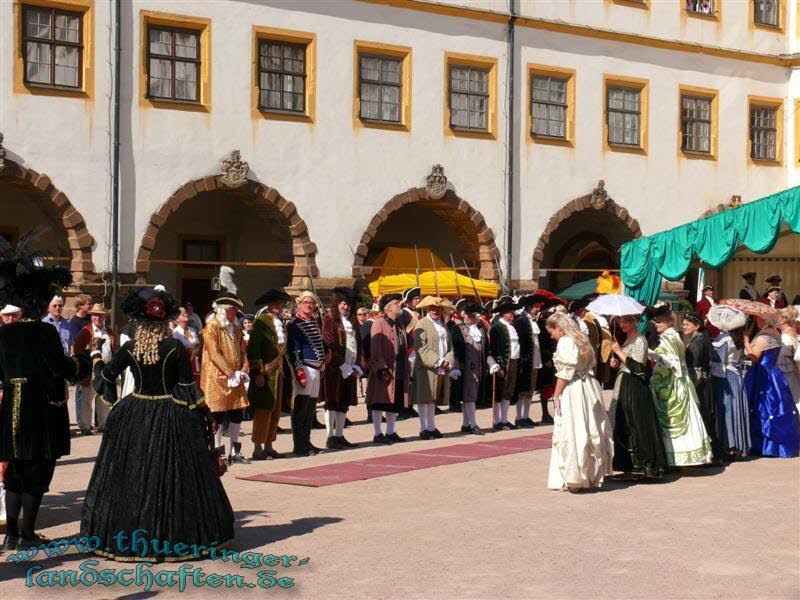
148	305
659	311
24	279
342	293
505	306
272	295
471	307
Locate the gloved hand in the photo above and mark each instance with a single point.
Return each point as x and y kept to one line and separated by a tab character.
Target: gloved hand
455	373
495	368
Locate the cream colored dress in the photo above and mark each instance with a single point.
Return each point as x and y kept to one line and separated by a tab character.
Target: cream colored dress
583	449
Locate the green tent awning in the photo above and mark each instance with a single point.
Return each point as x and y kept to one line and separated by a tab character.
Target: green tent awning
713	240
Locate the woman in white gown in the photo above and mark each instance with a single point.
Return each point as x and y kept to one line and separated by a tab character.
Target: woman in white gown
682	430
583	449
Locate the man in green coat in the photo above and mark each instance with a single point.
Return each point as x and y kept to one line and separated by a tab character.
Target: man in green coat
270	372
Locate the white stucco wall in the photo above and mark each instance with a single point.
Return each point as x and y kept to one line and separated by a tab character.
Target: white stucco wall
66	138
339	175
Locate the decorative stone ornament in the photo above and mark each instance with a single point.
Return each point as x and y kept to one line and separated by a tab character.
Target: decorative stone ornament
2	154
736	201
437	183
234	171
599	197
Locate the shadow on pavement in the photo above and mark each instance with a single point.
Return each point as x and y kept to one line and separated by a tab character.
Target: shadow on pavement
248	538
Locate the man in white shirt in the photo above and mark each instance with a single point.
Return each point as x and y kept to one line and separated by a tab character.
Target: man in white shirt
530	357
504	352
434	364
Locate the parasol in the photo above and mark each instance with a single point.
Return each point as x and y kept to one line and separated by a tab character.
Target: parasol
726	318
754	308
616	305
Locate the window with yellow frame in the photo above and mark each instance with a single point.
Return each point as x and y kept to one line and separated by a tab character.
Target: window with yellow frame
470	95
551	110
698	122
382	86
765	130
284	63
54	44
626	108
175	61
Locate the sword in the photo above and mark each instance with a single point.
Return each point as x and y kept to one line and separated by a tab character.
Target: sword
435	274
474	287
311	279
455	274
416	254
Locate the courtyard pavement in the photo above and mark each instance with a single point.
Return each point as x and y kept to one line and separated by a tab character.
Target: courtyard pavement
481	529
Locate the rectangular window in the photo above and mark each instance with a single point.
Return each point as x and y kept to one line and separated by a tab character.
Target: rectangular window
53	47
700	7
281	76
624	116
469	98
549	106
380	87
202	250
696	124
766	12
763	133
173	57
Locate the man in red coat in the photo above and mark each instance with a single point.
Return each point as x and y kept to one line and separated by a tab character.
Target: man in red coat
702	308
86	399
389	369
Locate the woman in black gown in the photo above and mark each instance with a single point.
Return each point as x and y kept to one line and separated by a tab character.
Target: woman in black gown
699	354
154	470
638	447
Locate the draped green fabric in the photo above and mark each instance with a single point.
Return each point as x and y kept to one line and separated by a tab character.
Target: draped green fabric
713	240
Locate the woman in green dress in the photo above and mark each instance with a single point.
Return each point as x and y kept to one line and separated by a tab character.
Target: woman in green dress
685	438
638	447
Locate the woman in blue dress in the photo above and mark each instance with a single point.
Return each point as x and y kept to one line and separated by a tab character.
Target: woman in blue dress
774	423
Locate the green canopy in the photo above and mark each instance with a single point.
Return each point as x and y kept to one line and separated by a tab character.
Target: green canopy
584	288
713	239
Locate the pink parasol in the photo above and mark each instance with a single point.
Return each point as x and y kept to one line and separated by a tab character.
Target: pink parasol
753	307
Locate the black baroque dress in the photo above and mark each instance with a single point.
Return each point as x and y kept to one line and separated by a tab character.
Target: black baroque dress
153	470
638	447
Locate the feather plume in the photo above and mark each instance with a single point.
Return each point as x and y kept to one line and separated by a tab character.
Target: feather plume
226	279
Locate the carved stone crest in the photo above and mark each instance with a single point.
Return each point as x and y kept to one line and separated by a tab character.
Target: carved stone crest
436	183
2	154
599	197
234	171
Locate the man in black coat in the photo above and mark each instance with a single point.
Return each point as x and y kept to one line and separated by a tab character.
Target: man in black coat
34	420
530	356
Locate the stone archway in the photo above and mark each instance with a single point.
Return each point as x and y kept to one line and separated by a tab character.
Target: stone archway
467	223
303	249
597	200
56	205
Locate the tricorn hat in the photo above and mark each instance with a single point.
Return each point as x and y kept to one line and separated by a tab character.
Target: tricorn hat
272	295
386	298
774	279
435	302
773	288
505	306
746	276
411	293
471	307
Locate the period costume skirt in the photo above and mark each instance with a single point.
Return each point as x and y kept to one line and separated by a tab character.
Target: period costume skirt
583	450
154	473
637	441
680	422
732	402
774	424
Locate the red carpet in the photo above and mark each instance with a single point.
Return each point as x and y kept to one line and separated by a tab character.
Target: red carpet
382	466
